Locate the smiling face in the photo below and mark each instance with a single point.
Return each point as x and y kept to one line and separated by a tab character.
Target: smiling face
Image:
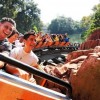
30	42
5	29
13	38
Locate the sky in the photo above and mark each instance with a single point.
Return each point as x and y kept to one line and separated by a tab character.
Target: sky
75	9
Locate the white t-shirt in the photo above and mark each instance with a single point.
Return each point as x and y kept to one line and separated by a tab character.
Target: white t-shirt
28	58
18	44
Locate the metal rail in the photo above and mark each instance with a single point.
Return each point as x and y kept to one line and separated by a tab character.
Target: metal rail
30	69
53	50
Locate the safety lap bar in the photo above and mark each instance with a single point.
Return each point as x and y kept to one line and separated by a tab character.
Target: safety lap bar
35	71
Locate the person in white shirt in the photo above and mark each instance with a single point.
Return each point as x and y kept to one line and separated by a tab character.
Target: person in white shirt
19	42
26	55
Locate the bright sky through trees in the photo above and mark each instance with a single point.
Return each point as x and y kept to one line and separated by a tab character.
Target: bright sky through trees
75	9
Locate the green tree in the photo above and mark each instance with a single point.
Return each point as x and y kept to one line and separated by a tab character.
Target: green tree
28	17
94	22
61	25
96	16
85	22
77	27
24	12
8	8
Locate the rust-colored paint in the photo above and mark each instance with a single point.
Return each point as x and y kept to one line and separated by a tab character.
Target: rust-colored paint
12	92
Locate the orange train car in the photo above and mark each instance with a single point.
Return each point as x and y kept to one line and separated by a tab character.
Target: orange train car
15	88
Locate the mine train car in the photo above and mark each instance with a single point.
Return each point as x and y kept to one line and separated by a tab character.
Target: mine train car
14	88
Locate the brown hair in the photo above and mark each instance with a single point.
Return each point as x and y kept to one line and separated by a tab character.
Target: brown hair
13	32
26	36
6	19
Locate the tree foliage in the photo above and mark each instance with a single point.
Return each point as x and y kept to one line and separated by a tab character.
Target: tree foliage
24	12
64	25
86	26
96	16
8	8
94	21
61	25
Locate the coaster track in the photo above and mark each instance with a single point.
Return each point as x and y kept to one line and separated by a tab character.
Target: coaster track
58	48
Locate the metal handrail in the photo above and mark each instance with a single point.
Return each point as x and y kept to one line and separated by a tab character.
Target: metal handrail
35	71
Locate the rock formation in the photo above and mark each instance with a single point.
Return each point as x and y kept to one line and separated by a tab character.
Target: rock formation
86	80
92	41
82	70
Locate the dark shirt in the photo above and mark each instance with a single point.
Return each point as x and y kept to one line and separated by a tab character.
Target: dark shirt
3	46
66	39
